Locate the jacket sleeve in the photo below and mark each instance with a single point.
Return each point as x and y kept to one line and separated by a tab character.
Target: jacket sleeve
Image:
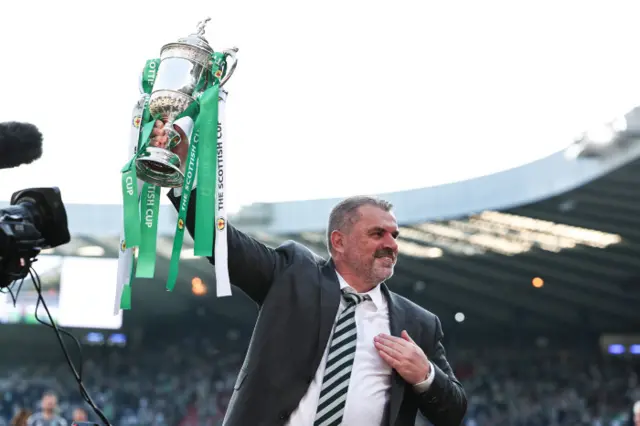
445	402
252	265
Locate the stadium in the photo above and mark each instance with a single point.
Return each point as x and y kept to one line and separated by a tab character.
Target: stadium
532	271
530	264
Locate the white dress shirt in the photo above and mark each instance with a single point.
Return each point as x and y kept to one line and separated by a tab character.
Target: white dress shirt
370	383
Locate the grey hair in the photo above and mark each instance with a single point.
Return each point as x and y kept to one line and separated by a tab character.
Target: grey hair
344	214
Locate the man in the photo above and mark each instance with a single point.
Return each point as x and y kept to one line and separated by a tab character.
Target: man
79	415
332	345
48	416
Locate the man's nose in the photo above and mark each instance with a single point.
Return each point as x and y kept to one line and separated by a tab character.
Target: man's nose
392	244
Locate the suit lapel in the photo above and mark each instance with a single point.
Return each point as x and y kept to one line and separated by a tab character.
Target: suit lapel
329	302
397	323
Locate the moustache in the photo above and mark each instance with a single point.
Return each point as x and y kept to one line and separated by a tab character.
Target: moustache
386	252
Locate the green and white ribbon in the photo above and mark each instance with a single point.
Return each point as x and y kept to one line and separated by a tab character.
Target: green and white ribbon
223	283
126	261
203	126
202	159
189	178
149	206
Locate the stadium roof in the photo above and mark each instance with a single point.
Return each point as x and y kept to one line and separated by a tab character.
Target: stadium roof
584	246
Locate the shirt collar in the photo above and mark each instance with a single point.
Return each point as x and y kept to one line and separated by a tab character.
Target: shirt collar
375	293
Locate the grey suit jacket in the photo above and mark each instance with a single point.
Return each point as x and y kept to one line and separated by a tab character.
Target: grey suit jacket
298	294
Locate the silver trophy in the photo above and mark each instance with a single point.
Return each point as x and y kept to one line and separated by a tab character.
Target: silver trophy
182	76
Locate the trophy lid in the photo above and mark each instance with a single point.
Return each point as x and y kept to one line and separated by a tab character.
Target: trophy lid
197	39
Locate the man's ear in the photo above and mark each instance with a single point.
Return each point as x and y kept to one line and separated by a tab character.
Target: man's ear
337	241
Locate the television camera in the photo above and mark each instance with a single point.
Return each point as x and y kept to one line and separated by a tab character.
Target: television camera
36	219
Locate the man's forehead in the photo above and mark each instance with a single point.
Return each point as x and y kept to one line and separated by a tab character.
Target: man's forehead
372	215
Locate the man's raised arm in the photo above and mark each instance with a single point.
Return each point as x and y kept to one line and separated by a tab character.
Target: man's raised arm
251	264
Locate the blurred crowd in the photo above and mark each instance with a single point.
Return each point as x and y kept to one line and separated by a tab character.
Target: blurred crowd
189	383
548	388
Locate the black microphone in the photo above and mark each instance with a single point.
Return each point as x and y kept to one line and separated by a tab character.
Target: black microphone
20	143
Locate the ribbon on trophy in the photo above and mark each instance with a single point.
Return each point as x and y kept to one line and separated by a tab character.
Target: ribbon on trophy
131	189
141	200
204	159
149	206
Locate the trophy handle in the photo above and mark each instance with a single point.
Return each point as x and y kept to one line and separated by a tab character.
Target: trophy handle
229	53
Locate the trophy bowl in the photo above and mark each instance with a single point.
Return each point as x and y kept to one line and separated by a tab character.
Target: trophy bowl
183	73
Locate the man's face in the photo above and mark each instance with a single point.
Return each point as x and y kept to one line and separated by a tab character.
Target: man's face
49	402
79	415
370	247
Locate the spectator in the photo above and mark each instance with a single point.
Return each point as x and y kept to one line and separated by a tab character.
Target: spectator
48	416
21	417
187	381
79	415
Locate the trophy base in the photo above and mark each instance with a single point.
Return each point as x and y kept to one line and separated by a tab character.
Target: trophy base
160	167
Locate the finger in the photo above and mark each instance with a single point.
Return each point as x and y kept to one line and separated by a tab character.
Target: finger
392	340
158	124
390	350
159	141
406	337
393	363
164	141
157	131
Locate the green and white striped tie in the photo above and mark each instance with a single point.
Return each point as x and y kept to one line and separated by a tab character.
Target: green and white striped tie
335	384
